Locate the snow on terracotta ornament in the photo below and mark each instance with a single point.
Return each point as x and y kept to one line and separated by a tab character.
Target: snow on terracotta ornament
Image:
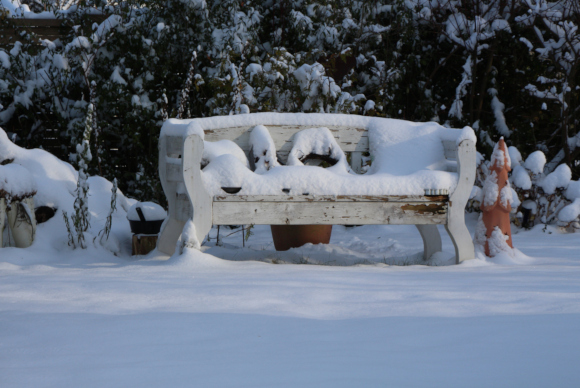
493	231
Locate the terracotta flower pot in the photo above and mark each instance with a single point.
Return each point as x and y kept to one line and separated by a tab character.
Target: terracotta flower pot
294	236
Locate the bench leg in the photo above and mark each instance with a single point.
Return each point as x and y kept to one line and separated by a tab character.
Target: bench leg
170	232
431	240
201	200
460	237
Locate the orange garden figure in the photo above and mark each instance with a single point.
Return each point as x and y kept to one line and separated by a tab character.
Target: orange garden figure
494	228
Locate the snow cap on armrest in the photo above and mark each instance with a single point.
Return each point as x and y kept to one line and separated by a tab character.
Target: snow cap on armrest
175	127
467	133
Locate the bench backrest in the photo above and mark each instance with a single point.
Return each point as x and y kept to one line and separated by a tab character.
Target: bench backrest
353	141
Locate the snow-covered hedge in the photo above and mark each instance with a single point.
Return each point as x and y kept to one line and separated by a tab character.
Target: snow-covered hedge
537	197
506	68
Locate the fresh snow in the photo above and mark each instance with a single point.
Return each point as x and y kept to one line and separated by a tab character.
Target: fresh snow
151	212
559	178
515	156
89	318
16	182
233	316
570	212
407	157
263	149
317	141
535	162
212	150
573	190
490	189
521	178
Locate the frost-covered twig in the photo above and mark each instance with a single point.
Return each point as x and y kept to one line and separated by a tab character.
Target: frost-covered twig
187	86
81	218
104	234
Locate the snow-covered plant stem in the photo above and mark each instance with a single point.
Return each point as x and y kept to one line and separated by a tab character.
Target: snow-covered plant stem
71	236
81	218
104	234
186	88
95	124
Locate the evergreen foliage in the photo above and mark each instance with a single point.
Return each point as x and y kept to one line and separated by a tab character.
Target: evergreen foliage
505	67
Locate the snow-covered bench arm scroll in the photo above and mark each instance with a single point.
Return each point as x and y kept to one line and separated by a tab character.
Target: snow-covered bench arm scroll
466	164
180	155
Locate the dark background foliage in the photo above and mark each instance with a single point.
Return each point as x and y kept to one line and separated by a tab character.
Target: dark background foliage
409	58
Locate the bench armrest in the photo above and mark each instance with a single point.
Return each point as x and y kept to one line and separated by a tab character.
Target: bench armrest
172	176
201	200
466	165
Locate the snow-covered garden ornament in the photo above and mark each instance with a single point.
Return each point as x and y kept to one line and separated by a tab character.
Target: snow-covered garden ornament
494	228
17	188
145	219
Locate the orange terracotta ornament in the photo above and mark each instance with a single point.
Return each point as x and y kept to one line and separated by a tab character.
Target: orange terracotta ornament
496	203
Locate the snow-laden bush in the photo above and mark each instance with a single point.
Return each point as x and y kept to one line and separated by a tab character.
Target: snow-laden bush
538	198
506	68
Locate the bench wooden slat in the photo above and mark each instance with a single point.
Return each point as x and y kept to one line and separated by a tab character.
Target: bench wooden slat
329	213
350	139
330	198
174	146
174	172
450	149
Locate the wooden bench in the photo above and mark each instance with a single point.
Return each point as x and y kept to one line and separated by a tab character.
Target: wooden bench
180	155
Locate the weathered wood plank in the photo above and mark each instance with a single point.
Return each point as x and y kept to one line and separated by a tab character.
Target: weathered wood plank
356	161
201	200
174	146
460	236
450	149
330	198
329	213
349	139
174	171
143	244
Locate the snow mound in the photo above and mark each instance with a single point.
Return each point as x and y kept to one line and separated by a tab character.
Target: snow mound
263	149
151	212
212	150
407	158
55	183
467	133
560	177
535	162
16	182
571	212
515	156
317	141
520	178
573	190
54	180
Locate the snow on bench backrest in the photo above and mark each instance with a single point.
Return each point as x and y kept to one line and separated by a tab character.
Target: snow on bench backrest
350	131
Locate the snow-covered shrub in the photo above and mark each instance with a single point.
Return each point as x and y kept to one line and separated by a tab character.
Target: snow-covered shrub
538	198
81	218
458	62
103	235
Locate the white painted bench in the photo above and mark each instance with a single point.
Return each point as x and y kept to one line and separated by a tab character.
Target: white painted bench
180	155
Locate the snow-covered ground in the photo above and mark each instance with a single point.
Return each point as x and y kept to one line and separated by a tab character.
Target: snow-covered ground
87	318
340	315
